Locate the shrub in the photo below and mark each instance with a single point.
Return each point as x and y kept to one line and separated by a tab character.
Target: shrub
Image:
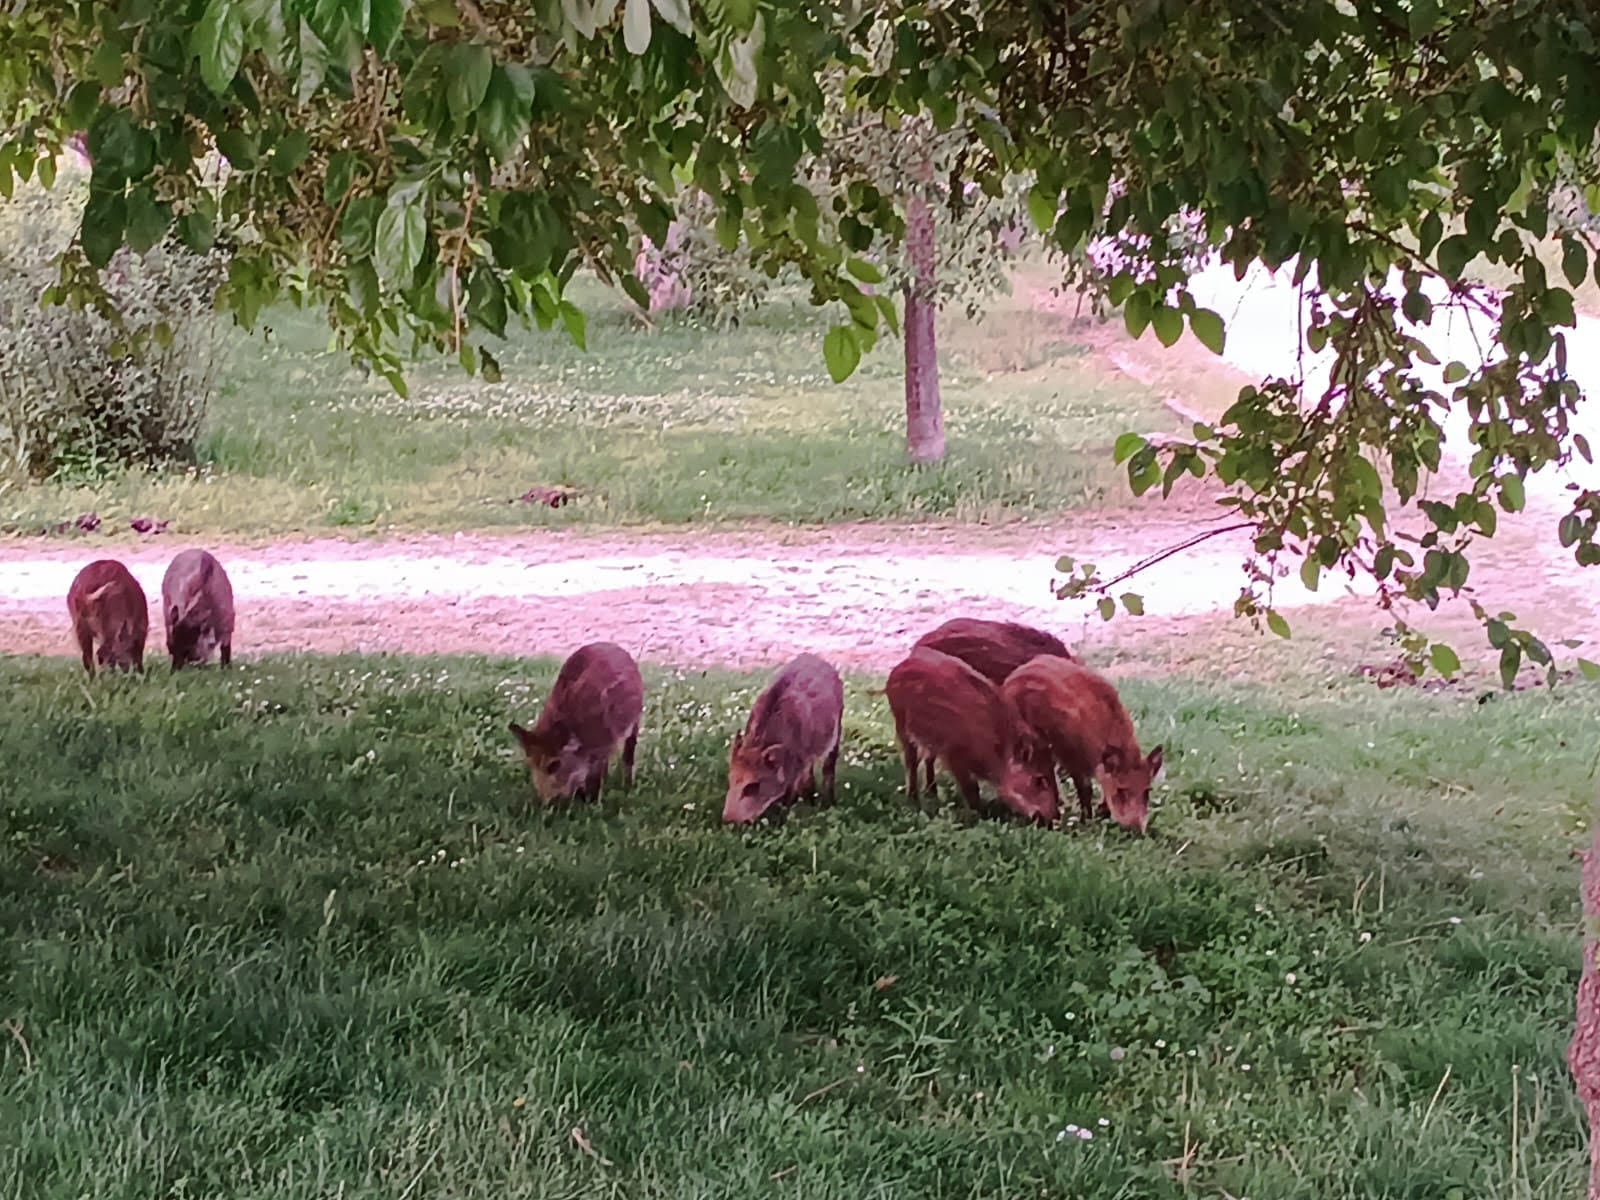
82	395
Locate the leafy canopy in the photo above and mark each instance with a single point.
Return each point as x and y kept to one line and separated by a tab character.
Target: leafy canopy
432	170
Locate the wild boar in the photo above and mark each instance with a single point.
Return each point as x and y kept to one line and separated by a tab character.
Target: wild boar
595	705
110	616
1080	717
944	710
992	648
197	605
795	726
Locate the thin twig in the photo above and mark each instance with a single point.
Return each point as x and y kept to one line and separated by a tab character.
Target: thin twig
14	1028
1160	556
824	1090
1437	1092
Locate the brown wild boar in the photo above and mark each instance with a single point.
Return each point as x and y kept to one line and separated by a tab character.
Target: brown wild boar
197	605
110	616
794	727
1080	717
945	710
994	649
595	704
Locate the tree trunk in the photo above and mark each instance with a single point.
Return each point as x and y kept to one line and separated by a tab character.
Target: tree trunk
924	413
1583	1052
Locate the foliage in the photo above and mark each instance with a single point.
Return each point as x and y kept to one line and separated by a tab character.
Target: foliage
82	395
307	901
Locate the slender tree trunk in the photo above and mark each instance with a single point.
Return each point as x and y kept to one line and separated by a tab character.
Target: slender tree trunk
924	412
1583	1052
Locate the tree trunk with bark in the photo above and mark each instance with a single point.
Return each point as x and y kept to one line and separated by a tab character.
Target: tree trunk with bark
924	411
1583	1052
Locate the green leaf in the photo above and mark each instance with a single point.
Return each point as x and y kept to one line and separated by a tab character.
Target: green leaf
1277	624
197	230
636	26
1454	254
676	14
120	149
1512	495
467	72
1574	261
383	24
340	175
363	288
577	324
1311	573
1591	671
218	42
1107	607
486	301
293	148
1043	207
489	366
863	270
1510	663
507	110
104	218
1444	659
1134	603
1127	445
842	352
1168	324
1207	326
148	219
398	240
1136	313
1455	372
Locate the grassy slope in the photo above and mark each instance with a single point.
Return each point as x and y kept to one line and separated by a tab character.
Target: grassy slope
290	933
677	425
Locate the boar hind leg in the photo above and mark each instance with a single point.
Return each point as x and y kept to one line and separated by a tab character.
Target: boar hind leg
629	745
908	751
86	646
933	788
1085	790
225	654
830	766
968	787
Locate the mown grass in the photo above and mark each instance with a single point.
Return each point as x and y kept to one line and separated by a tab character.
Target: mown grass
680	424
292	931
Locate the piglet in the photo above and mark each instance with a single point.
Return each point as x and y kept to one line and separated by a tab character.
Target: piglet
110	616
992	648
1078	714
944	710
595	705
197	604
795	726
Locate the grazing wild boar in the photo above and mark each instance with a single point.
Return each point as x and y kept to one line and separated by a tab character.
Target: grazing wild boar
994	649
795	726
197	605
110	616
1078	714
594	706
944	710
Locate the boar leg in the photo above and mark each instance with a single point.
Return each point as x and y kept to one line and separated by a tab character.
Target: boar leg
830	766
968	787
86	645
908	751
933	788
1085	789
629	745
225	654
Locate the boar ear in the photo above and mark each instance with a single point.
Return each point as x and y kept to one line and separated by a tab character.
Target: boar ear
518	732
772	756
1154	760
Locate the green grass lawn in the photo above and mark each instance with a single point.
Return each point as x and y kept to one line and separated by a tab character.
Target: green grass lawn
292	931
679	424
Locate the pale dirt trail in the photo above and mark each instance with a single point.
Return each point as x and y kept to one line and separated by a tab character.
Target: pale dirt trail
859	594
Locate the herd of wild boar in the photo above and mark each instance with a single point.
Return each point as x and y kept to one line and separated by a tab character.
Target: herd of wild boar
995	702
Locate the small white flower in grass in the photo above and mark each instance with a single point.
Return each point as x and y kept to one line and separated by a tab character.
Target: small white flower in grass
1072	1016
1289	978
1103	1123
1455	920
1244	1066
1071	1129
1118	1054
1365	937
1085	1135
1161	1043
